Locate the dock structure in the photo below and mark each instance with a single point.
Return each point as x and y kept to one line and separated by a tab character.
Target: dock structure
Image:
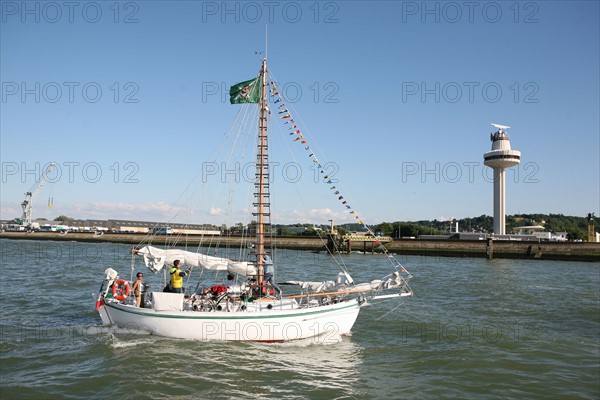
374	240
516	249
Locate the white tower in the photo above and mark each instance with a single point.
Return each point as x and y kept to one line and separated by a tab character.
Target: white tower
499	158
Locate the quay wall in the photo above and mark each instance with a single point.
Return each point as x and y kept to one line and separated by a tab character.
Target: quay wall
568	251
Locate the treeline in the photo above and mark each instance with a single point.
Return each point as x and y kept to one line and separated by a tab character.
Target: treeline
576	227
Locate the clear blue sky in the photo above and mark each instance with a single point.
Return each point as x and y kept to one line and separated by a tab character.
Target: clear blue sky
129	99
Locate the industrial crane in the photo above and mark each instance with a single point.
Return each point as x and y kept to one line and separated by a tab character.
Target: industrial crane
27	204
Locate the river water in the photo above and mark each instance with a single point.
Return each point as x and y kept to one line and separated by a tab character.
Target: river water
474	329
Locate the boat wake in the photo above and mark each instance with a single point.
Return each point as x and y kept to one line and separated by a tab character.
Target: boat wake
118	343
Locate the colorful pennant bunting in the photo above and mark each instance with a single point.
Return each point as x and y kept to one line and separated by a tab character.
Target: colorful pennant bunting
300	137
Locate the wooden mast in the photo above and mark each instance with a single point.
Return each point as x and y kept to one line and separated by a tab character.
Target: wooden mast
262	200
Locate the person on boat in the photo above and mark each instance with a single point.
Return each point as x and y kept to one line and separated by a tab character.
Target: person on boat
269	274
177	276
230	280
138	286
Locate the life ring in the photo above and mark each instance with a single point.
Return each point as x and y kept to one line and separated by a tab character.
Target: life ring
122	287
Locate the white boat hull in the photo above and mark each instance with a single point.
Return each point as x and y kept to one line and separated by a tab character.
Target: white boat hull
328	321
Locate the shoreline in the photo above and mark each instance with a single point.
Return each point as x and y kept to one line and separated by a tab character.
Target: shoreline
558	251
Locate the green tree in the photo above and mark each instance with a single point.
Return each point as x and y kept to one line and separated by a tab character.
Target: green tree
310	232
385	227
341	231
574	234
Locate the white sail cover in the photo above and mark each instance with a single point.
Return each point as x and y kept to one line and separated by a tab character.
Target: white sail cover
346	283
155	259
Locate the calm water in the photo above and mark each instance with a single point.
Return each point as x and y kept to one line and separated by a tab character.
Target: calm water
474	329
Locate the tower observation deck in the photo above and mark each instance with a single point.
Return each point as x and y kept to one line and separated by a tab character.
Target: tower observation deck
499	158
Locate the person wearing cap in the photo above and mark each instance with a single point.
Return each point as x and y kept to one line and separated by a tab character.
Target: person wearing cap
177	276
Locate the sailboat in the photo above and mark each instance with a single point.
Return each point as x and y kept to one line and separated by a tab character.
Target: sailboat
249	309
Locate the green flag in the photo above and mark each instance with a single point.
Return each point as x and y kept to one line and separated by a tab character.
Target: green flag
245	92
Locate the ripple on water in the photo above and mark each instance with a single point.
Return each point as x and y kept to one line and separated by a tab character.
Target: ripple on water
474	329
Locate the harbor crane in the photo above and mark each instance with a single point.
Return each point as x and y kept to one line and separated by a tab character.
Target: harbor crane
27	204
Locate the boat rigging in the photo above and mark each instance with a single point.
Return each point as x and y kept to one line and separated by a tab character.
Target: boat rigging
249	309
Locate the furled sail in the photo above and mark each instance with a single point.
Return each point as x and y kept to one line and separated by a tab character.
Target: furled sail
346	284
156	258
